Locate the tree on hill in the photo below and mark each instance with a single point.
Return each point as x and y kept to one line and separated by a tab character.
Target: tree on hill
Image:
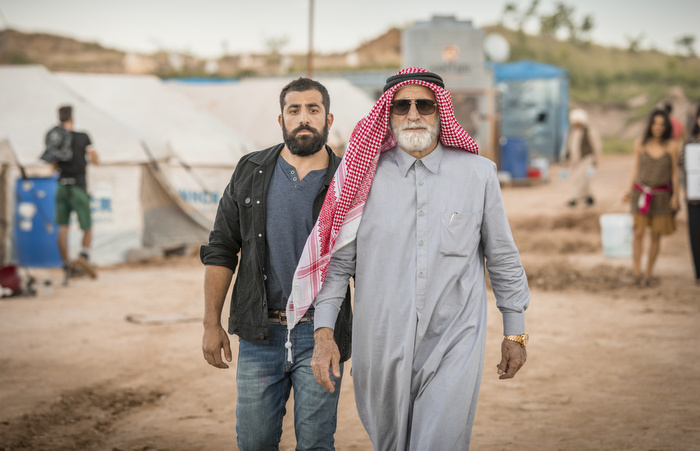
520	20
510	9
687	42
563	18
634	43
587	25
528	14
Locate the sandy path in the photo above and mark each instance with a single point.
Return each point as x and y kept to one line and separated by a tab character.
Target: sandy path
610	366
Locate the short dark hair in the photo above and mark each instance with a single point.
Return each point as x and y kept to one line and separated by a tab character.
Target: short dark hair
668	128
306	84
65	113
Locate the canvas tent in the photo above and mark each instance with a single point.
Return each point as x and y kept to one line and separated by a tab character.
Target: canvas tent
251	106
202	151
134	204
534	105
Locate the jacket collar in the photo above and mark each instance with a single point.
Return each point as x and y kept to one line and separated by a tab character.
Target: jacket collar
269	156
333	163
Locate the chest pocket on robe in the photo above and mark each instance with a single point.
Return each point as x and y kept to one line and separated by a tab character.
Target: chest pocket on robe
459	234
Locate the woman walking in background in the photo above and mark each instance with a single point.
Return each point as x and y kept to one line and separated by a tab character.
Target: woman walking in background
654	190
692	198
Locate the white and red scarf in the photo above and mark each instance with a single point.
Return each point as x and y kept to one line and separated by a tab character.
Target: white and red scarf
340	215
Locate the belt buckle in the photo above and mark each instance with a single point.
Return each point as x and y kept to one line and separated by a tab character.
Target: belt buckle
283	318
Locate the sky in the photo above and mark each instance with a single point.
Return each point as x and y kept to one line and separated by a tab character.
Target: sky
211	28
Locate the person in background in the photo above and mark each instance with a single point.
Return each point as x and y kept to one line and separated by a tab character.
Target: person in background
677	124
69	152
266	214
653	191
582	150
694	203
419	218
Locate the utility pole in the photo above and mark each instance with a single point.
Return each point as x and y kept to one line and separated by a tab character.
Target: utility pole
310	55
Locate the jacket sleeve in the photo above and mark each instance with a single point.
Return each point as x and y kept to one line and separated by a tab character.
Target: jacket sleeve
225	238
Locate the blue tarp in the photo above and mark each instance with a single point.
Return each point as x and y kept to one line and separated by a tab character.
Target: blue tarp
526	70
534	105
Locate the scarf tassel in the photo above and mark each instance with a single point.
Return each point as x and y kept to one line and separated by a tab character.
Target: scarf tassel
288	345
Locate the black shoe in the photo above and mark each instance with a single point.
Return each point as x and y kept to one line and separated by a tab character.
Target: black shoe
589	201
67	273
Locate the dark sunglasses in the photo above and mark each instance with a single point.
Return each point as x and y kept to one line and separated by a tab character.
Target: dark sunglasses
424	106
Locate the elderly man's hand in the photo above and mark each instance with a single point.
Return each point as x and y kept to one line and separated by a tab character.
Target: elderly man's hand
513	357
326	355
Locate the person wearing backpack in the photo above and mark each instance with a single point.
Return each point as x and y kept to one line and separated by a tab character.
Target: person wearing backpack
69	152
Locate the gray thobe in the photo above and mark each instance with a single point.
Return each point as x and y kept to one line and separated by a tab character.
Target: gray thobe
420	295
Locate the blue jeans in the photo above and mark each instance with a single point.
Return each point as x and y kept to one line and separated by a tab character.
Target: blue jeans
264	380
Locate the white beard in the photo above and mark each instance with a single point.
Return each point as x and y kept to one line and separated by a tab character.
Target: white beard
415	141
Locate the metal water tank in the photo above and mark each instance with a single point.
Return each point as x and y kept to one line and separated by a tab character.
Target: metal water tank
449	47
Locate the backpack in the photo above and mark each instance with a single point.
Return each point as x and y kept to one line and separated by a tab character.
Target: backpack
58	145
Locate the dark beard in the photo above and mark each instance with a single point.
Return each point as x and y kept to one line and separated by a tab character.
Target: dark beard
306	145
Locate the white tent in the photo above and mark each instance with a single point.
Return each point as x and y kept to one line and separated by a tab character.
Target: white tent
30	98
202	150
251	106
133	203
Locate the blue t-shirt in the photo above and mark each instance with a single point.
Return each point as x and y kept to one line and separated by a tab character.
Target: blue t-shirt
289	222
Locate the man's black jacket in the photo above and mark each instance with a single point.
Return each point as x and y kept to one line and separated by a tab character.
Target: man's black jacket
240	226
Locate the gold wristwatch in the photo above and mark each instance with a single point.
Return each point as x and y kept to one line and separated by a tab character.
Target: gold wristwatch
522	339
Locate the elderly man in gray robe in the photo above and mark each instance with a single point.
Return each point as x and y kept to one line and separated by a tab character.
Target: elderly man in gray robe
414	214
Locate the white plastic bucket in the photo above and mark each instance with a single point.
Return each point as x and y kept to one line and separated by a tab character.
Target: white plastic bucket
543	165
617	234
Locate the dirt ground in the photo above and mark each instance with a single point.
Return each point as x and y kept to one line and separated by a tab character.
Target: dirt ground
116	363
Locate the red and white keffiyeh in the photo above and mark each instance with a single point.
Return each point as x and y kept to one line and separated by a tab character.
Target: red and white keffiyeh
340	215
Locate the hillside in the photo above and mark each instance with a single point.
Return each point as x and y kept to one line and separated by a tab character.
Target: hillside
608	74
58	53
616	86
598	74
381	52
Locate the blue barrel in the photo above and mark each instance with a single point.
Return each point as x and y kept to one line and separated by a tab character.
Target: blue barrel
35	229
514	157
